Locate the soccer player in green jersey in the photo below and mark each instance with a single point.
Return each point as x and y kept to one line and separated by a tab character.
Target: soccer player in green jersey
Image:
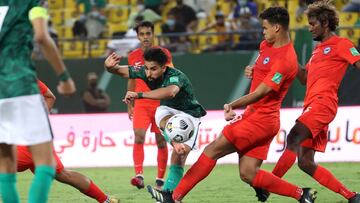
24	119
175	92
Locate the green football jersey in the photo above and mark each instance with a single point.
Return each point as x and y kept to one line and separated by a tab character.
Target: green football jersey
184	100
17	72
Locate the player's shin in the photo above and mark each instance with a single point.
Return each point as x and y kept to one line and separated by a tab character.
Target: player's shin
8	190
285	162
200	170
40	187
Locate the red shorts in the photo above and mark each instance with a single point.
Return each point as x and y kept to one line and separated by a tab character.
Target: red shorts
144	115
252	134
24	160
316	117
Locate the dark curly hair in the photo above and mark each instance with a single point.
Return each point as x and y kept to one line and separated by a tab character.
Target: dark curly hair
157	55
324	12
276	15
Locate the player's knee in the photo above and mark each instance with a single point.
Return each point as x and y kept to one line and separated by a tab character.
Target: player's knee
305	164
247	173
139	136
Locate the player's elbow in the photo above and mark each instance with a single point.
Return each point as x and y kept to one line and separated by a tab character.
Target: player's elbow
172	94
41	38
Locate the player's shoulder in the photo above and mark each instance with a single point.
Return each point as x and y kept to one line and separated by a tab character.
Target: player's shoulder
264	44
135	52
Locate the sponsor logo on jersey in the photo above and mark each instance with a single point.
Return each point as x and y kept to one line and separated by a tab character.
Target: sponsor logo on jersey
327	50
266	60
277	78
354	51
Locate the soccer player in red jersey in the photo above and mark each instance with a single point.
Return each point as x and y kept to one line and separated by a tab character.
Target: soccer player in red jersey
142	112
251	133
322	76
75	179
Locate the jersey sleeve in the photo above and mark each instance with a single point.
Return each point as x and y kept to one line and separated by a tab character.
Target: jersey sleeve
137	72
278	74
175	80
42	87
38	12
348	51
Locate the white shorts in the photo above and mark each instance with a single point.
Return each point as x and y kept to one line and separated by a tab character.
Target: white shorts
163	111
24	120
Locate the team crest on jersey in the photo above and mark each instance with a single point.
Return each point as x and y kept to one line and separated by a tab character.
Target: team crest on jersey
327	50
266	60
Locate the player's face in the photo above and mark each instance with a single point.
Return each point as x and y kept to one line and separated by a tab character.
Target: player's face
153	70
145	36
316	29
269	31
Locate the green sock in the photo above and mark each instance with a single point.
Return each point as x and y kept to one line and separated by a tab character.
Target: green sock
40	186
174	177
8	188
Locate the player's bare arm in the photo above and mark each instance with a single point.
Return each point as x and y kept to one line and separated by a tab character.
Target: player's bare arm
302	74
111	65
249	71
168	92
130	107
49	98
261	91
357	64
51	53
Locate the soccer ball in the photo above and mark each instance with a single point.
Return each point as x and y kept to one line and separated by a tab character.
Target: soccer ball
179	128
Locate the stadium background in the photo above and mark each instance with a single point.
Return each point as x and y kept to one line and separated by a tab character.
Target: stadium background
216	77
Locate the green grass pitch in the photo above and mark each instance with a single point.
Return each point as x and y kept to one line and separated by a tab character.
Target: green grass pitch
222	185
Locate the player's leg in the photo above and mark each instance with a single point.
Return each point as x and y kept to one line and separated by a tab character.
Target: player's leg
203	166
162	158
141	122
253	175
320	174
8	190
162	155
44	162
296	136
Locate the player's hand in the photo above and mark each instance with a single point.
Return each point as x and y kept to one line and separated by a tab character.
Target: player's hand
67	87
229	113
111	61
130	97
249	72
130	110
179	148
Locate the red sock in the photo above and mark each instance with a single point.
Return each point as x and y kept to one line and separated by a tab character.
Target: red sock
285	162
325	178
94	192
274	184
138	157
201	168
162	158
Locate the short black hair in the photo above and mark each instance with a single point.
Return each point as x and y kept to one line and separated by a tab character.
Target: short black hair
324	12
157	55
276	15
144	24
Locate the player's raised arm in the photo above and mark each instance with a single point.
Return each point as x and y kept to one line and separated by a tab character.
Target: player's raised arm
111	65
302	75
38	17
168	92
261	91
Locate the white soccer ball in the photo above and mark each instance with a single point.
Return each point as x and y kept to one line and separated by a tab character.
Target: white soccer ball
179	128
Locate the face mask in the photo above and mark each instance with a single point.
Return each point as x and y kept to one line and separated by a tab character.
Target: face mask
140	7
170	22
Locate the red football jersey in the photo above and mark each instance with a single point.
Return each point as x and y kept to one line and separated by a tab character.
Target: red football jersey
136	58
327	67
277	68
42	87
